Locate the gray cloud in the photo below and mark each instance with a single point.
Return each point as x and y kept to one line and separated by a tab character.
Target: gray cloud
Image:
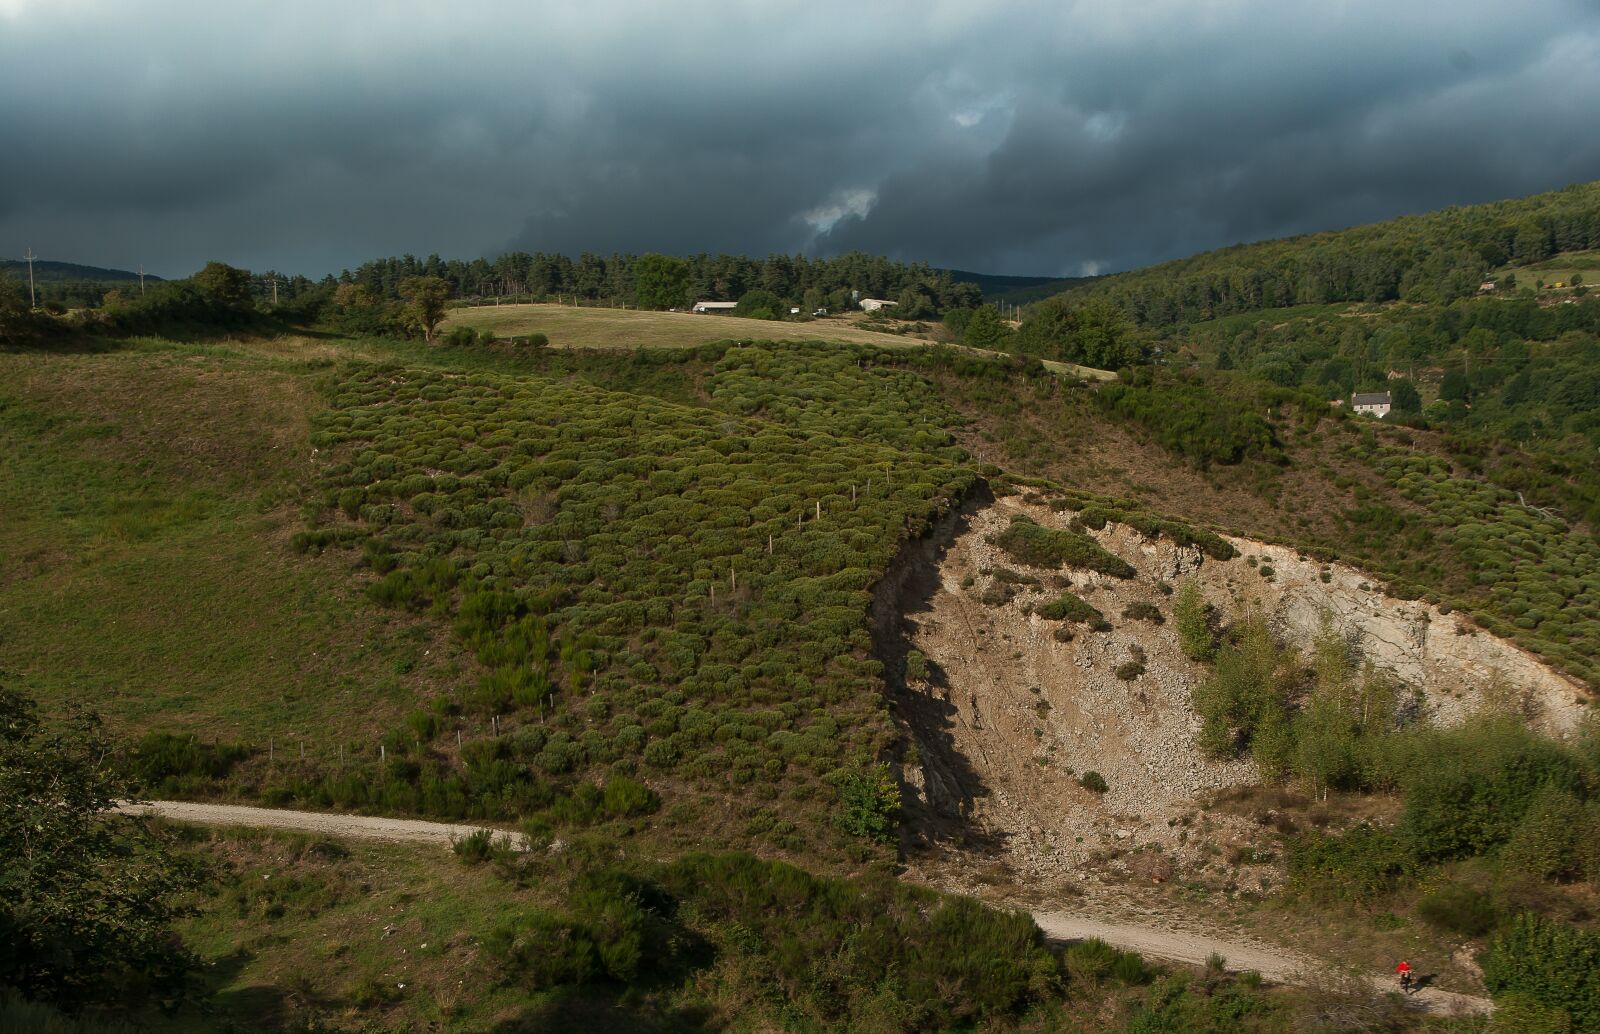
1025	138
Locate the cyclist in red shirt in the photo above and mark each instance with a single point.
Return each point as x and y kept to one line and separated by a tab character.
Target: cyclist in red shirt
1404	970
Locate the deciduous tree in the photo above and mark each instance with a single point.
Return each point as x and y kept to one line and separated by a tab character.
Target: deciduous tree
224	284
87	898
425	298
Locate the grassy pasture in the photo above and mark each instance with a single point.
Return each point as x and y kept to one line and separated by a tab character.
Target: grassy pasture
585	327
147	498
1559	269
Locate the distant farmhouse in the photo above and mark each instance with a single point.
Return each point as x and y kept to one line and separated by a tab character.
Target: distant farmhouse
1371	403
875	304
715	306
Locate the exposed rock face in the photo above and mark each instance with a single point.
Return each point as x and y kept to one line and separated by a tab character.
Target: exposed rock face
1444	655
1013	715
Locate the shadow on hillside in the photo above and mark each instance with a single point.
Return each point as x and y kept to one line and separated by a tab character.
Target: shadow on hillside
941	787
263	1006
580	1011
59	344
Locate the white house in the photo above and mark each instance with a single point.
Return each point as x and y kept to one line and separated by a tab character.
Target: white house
874	304
715	306
1371	403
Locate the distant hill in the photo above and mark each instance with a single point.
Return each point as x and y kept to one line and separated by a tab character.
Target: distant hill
1018	290
1434	257
45	272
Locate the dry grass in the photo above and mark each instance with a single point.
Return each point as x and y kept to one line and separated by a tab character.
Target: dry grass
588	327
1036	430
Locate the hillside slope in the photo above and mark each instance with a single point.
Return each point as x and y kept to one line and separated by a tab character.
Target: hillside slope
1438	256
47	271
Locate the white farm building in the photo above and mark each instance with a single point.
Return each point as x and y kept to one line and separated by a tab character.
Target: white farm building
1371	403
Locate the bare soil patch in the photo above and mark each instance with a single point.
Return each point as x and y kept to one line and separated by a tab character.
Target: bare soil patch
1016	710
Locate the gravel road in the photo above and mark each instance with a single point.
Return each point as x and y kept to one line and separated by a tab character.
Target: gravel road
1274	964
365	827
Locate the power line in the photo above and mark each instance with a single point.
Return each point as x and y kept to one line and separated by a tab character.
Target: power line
33	302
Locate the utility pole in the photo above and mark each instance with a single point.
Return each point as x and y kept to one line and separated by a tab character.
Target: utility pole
33	302
141	279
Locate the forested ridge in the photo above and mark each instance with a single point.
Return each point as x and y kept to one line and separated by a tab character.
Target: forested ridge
1433	257
805	281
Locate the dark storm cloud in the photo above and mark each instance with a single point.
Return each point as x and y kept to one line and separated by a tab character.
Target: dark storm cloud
1020	138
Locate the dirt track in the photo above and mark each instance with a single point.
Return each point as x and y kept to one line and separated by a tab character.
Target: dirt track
1274	964
365	827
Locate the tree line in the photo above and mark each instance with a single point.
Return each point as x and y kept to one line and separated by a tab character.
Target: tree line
659	281
1434	257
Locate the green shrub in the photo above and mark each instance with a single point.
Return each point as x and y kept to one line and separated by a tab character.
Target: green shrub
1143	611
1093	961
1363	862
1193	621
481	845
1006	576
1552	963
1549	842
1478	783
623	798
1460	909
1202	420
1520	1014
164	759
1244	704
1028	543
869	804
424	725
1130	670
1069	607
998	594
616	927
1094	782
541	950
826	945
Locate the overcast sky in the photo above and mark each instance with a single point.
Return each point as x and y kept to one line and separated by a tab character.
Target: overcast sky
1027	138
